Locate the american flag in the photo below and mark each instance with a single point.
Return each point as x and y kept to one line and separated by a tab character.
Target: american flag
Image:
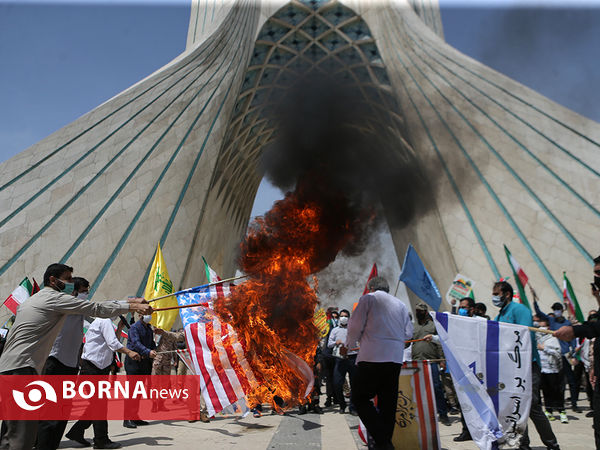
217	354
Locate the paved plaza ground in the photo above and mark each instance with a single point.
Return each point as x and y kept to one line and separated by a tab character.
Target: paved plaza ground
331	430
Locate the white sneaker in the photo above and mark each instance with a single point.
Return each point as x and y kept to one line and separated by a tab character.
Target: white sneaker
563	417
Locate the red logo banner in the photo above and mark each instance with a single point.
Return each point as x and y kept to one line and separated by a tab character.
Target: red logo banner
99	397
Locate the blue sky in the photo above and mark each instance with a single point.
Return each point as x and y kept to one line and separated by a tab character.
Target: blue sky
61	59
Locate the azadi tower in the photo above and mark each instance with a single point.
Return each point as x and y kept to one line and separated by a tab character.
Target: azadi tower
173	159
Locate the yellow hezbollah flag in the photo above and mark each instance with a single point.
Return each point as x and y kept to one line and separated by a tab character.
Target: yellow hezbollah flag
159	284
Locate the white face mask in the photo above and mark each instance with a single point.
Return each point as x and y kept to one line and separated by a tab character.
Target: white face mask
557	313
343	321
83	295
147	318
497	301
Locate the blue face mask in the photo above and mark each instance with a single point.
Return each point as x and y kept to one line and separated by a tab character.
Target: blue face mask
463	312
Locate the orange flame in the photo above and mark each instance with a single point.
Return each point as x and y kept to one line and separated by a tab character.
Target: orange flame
273	311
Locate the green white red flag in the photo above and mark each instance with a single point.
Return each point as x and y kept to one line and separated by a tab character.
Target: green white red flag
219	290
571	300
519	276
21	293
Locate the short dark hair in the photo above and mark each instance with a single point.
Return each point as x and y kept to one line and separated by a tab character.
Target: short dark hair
55	270
556	306
469	300
481	307
597	260
79	283
346	311
504	287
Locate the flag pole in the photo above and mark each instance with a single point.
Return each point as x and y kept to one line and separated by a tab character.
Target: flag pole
537	330
192	305
397	286
7	321
203	286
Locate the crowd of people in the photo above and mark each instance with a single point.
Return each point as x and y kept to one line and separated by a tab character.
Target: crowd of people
360	357
567	358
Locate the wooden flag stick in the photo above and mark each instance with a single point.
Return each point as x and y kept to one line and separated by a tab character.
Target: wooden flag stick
203	286
537	330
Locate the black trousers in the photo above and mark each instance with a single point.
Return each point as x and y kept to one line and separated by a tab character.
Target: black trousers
328	366
569	378
553	395
100	426
343	367
536	414
20	434
50	432
596	402
381	380
143	367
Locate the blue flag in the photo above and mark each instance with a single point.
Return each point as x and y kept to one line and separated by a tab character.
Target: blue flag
416	277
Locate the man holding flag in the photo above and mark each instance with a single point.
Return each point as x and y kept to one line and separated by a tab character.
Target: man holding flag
588	330
512	312
554	323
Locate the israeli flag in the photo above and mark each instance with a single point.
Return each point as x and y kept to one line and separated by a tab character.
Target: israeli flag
490	364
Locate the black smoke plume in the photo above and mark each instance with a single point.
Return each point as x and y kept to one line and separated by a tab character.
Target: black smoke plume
334	144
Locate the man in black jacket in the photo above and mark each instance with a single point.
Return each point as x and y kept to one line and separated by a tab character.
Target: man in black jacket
589	330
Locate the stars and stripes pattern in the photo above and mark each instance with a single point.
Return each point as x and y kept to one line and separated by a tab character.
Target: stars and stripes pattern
217	354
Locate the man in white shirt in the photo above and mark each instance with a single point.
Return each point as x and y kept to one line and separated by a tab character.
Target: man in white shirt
343	364
100	344
381	323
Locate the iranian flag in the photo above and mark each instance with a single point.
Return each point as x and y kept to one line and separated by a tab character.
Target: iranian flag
23	291
218	290
571	300
519	275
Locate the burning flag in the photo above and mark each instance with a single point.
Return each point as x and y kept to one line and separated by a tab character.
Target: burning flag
274	310
217	355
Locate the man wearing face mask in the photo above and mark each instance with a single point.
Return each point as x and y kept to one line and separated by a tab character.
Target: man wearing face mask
63	360
327	357
589	330
141	341
555	322
429	349
39	320
512	312
343	364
